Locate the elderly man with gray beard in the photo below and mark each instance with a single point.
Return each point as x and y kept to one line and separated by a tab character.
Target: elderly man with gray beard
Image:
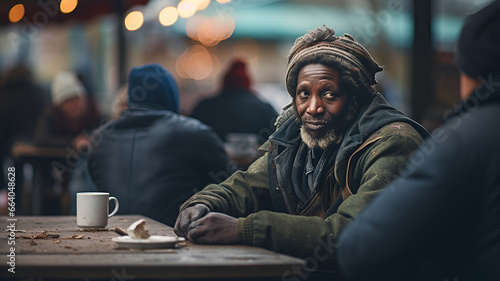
336	147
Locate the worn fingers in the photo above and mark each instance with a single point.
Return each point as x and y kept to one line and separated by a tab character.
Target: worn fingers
201	211
197	231
177	228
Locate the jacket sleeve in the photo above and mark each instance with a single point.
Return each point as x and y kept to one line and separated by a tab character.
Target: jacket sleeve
313	237
244	192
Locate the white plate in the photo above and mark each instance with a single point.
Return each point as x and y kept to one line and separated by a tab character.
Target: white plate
153	242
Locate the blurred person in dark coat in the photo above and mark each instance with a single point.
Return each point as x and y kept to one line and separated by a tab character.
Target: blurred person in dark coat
445	210
21	103
150	157
237	109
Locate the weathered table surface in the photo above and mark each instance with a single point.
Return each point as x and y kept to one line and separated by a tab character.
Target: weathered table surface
95	256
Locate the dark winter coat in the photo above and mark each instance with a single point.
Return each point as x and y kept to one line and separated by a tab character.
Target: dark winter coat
446	207
237	111
153	160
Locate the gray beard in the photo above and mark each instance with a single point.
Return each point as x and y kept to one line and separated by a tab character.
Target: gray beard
330	137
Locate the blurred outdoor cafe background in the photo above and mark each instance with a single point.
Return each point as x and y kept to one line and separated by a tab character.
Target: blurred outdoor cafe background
196	39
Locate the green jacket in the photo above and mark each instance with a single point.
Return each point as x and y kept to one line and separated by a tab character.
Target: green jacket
370	156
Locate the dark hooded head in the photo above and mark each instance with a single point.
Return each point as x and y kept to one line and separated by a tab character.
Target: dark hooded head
478	48
152	86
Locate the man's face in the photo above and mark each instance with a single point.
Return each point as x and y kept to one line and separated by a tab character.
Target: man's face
321	104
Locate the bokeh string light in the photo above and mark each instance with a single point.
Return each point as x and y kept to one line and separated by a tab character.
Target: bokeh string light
68	6
134	20
16	13
186	8
168	16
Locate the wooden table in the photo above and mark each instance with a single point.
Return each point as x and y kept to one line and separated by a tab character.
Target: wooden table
95	256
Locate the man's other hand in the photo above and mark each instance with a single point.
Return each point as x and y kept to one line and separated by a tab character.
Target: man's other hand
188	216
214	228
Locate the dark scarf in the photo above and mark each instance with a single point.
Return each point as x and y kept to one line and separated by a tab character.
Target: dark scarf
312	167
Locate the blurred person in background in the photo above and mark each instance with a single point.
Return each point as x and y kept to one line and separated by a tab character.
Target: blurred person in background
67	123
21	103
150	157
446	207
337	146
72	116
237	115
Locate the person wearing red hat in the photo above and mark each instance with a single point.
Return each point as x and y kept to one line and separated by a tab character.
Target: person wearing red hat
237	109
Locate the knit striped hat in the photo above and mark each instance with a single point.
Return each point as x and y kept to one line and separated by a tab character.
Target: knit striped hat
322	46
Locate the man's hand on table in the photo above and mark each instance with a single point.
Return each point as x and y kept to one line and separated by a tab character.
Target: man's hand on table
200	225
214	228
188	216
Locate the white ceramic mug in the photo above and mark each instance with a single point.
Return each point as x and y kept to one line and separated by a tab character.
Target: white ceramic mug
92	209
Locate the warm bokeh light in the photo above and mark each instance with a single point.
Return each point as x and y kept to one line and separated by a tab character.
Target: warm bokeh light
228	26
134	20
202	4
16	13
168	16
186	8
67	6
216	67
192	26
210	30
195	63
223	1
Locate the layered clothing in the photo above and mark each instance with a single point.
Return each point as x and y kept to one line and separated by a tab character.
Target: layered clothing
282	208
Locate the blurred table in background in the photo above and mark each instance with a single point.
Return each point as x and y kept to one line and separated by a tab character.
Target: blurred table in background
39	157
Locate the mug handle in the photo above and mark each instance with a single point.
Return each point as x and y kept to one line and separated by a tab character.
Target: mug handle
117	205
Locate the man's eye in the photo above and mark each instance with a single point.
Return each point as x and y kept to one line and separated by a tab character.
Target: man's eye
303	94
330	95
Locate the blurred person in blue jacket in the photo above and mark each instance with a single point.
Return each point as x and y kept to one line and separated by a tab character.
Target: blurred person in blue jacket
150	157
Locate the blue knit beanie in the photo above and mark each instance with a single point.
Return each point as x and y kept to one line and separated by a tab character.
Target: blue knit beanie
152	86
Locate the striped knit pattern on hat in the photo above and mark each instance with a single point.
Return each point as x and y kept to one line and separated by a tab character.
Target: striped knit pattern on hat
322	46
